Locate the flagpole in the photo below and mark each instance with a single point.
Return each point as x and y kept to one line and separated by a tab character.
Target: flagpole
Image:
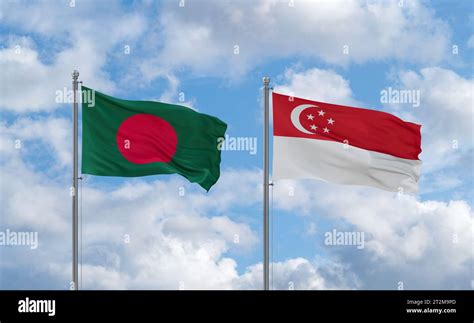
266	185
75	222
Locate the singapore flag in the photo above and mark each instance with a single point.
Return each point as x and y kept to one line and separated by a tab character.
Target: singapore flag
344	145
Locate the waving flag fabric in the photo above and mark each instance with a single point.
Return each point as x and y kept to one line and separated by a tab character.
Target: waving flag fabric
138	138
344	145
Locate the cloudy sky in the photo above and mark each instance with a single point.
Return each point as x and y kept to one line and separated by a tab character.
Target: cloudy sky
160	232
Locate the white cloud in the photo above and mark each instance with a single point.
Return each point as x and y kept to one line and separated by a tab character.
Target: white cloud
50	134
172	238
203	36
28	82
470	42
138	235
442	182
34	199
173	94
400	232
31	201
190	240
316	84
300	274
445	113
191	228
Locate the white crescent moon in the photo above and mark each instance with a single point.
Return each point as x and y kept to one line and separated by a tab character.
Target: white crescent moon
295	117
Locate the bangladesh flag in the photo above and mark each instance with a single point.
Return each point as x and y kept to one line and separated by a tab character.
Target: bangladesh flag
139	138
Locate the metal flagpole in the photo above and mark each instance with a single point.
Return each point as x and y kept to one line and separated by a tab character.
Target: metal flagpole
75	222
266	185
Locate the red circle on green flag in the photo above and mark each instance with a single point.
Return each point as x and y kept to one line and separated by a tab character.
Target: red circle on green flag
145	138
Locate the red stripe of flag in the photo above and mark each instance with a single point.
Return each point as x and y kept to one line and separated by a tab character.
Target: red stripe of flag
367	129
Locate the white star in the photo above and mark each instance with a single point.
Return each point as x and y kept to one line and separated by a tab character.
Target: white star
314	127
326	130
330	121
310	117
321	113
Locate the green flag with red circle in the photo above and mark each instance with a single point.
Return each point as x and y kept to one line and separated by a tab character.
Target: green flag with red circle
139	138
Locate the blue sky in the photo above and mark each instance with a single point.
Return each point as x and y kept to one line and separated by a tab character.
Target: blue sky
189	241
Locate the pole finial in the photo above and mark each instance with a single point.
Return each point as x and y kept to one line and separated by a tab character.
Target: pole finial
266	80
75	74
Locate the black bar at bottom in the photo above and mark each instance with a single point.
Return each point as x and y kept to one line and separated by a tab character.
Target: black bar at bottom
447	306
